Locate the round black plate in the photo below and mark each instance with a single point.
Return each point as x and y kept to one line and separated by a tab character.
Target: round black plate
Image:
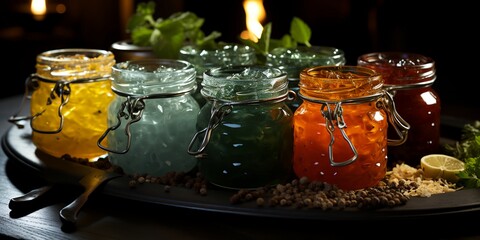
17	144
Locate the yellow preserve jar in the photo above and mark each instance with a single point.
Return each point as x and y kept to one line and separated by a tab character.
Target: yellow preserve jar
69	101
340	129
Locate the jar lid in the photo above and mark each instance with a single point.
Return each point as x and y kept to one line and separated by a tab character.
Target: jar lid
225	55
74	63
240	83
125	50
337	83
293	60
153	76
399	68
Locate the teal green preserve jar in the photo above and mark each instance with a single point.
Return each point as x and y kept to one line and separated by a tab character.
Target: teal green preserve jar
152	117
294	60
245	129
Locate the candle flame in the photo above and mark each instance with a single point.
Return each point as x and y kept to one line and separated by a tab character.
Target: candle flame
254	16
39	9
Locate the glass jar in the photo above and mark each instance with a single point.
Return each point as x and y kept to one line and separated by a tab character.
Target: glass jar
225	55
68	107
152	117
125	50
245	130
409	78
340	129
294	60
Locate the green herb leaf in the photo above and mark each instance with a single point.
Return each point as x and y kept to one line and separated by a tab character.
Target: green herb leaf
142	17
300	31
208	42
168	48
468	150
469	177
262	46
141	36
286	42
264	41
168	36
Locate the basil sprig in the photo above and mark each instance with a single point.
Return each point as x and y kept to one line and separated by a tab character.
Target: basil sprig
300	33
167	36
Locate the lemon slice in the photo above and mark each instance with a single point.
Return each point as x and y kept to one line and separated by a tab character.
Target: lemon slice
441	166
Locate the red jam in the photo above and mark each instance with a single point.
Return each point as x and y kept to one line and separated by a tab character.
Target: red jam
409	78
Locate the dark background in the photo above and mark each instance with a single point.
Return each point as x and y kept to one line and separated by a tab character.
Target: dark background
443	30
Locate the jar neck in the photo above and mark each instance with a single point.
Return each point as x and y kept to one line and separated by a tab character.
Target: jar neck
159	95
153	77
244	83
401	68
225	55
411	85
74	64
339	83
293	60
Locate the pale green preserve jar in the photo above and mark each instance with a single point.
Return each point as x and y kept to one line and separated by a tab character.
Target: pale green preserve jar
294	60
245	129
152	118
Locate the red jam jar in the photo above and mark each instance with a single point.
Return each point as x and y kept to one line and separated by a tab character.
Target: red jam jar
340	129
409	78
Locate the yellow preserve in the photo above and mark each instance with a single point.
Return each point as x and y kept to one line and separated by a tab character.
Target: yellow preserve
70	100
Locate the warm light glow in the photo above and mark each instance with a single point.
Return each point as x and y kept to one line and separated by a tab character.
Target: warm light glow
60	8
39	9
254	15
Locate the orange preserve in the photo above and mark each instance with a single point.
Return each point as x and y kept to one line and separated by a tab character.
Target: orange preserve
340	129
70	100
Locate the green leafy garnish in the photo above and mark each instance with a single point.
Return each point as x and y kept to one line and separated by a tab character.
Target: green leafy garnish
469	177
468	150
167	36
300	33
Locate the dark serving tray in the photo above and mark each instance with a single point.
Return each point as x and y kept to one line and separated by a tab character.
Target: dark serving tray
17	145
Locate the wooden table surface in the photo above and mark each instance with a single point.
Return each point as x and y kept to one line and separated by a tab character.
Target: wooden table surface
106	217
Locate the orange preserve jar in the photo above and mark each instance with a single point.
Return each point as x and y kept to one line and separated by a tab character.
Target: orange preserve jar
409	78
340	129
70	100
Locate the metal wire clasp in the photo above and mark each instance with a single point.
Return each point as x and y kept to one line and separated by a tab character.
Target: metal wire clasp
217	112
31	84
61	90
134	107
384	100
333	118
396	121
